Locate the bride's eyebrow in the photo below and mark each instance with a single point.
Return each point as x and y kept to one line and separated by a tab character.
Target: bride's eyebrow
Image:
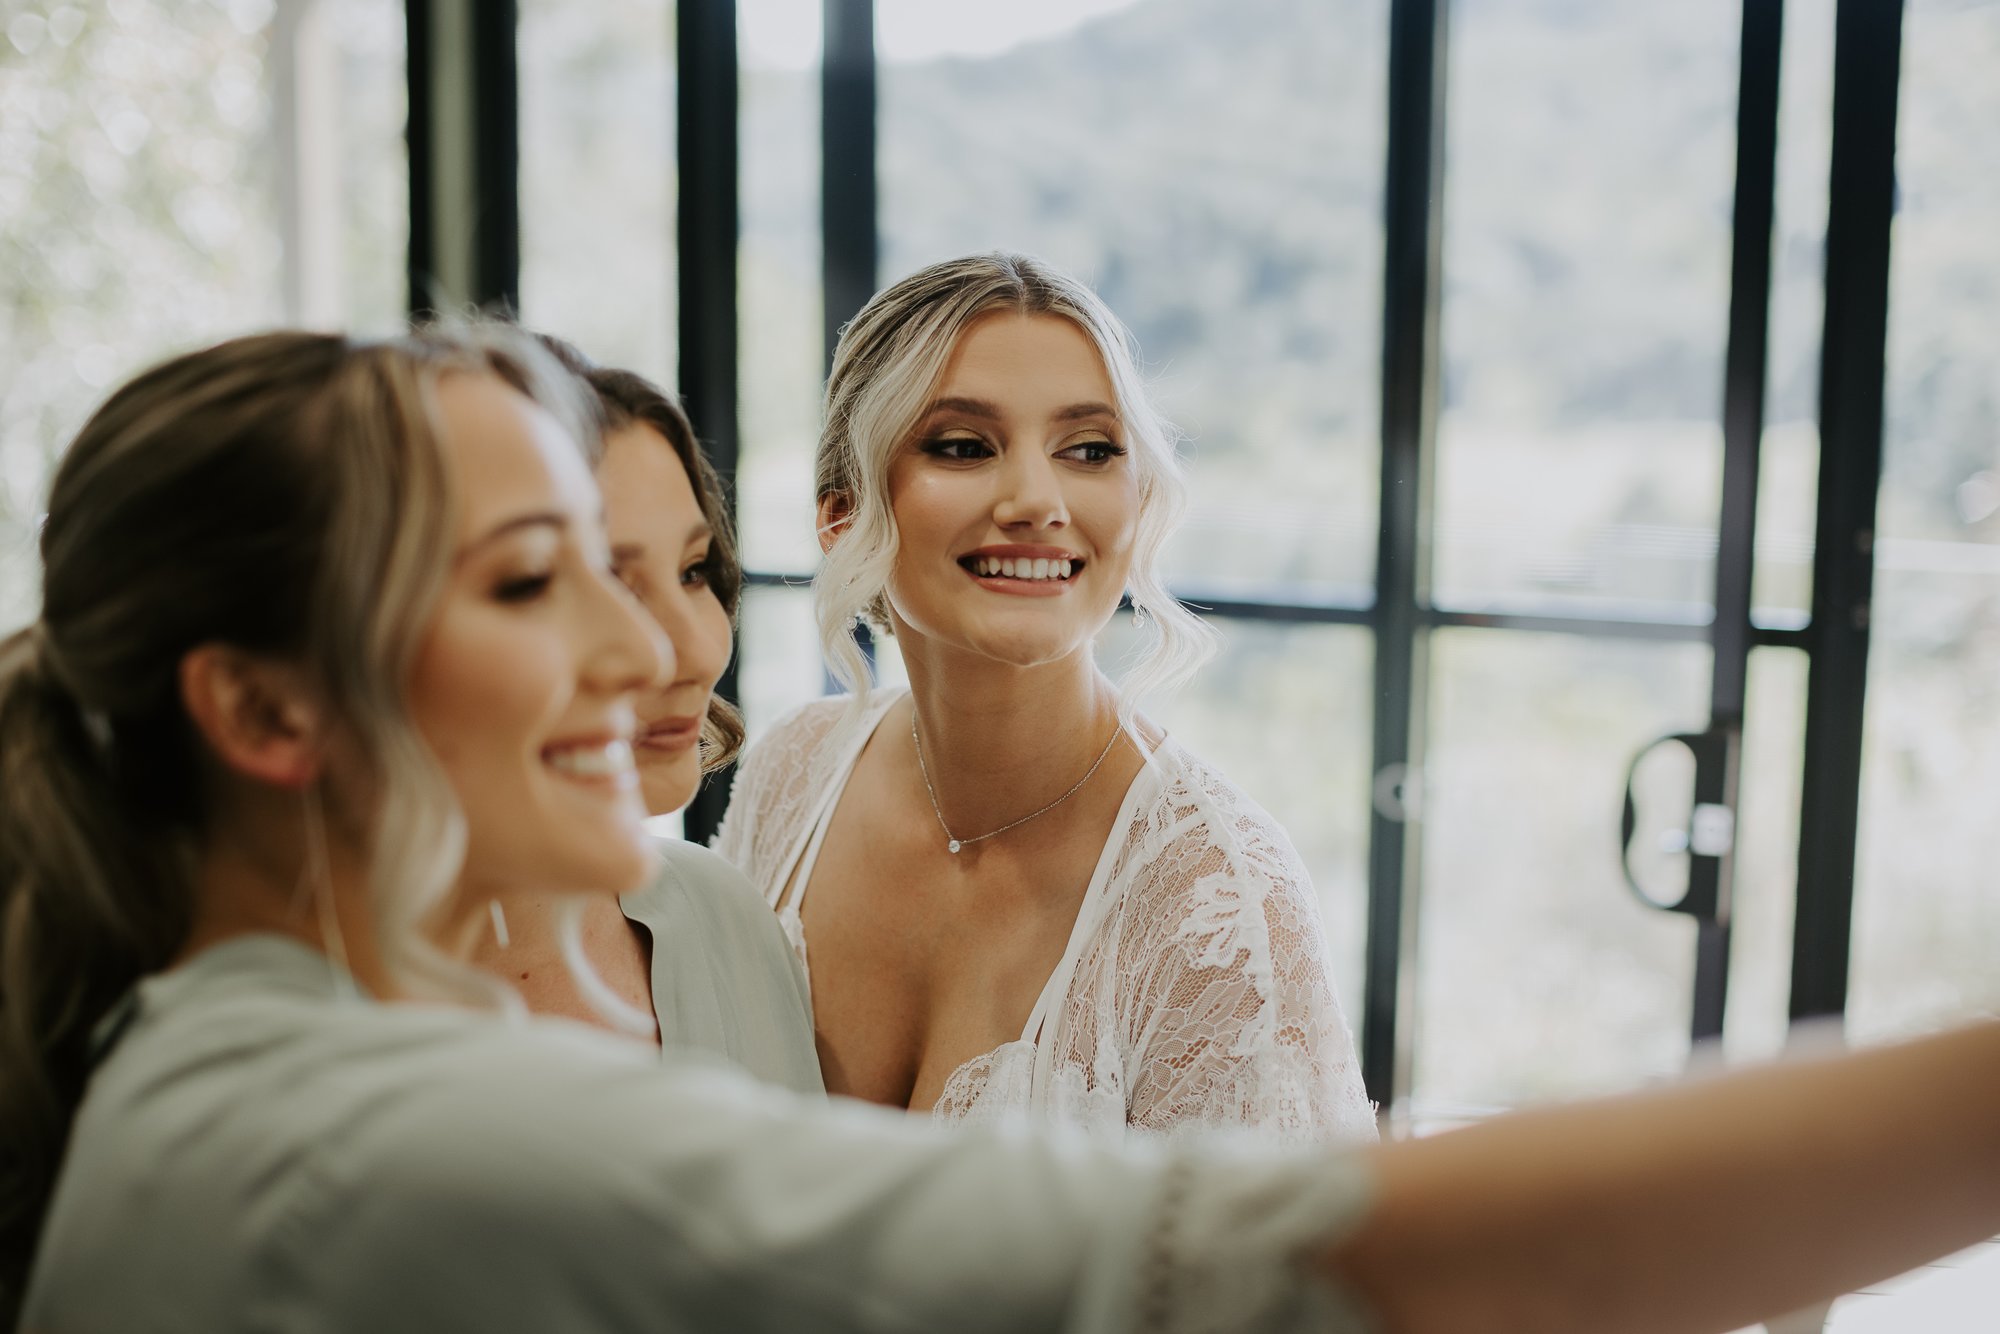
979	407
971	407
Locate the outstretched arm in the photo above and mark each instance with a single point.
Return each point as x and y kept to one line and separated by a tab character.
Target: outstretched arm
1703	1207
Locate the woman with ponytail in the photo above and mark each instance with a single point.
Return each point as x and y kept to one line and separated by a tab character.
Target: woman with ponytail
330	657
258	512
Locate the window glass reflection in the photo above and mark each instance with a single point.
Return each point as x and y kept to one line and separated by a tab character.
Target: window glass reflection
1586	269
1927	919
779	338
597	178
1540	975
175	173
1214	169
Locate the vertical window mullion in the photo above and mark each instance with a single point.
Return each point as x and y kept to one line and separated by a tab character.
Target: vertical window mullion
849	231
1742	438
1867	61
706	224
464	139
1413	238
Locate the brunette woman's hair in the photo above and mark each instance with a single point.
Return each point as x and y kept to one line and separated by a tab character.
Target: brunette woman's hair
284	494
624	399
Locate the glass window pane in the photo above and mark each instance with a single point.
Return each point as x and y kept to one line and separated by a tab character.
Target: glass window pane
1302	753
779	339
1781	592
598	178
1540	975
1927	919
1586	272
171	174
780	664
1767	855
1214	169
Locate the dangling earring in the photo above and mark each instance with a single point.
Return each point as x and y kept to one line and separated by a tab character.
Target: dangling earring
1138	615
499	916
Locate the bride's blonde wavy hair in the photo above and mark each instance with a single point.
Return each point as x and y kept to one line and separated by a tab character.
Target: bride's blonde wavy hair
886	369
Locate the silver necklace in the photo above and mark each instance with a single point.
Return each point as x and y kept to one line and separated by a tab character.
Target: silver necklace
953	845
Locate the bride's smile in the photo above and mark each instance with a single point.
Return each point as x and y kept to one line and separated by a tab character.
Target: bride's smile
1015	501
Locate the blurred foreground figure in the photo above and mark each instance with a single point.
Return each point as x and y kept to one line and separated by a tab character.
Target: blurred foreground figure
330	649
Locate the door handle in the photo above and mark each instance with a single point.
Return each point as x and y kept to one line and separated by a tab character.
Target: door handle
1710	837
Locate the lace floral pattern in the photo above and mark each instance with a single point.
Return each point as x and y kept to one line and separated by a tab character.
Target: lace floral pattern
1200	996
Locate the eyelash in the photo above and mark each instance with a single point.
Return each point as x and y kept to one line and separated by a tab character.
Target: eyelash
941	446
1111	451
522	588
700	574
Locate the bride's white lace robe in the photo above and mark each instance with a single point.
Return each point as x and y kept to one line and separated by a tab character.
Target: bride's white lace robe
1194	990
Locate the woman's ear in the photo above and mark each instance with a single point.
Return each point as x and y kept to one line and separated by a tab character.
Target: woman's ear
835	513
256	715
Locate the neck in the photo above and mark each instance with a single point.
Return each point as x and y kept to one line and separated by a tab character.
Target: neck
532	923
518	938
247	887
999	740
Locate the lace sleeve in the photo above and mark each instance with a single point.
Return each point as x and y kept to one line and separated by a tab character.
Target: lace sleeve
738	831
773	791
1229	1014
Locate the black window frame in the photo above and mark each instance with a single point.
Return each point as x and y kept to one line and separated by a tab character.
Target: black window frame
481	71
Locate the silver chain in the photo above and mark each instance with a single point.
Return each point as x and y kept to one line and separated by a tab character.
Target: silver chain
951	844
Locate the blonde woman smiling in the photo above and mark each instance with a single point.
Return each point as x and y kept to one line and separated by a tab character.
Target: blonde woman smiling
1012	892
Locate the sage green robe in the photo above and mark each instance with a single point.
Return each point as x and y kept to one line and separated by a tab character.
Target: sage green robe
264	1148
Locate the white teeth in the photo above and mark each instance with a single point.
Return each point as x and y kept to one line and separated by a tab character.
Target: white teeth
1009	567
613	759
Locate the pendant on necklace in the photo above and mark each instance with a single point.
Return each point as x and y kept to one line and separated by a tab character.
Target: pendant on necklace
953	846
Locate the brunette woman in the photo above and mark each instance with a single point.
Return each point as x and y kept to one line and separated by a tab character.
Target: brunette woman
694	959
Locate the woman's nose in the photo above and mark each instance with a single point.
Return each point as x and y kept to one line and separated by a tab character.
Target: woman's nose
699	652
1031	494
631	651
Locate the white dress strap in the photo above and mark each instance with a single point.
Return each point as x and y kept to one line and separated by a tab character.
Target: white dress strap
798	864
1098	902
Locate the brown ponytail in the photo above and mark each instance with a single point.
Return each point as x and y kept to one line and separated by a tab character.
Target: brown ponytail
72	936
284	494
